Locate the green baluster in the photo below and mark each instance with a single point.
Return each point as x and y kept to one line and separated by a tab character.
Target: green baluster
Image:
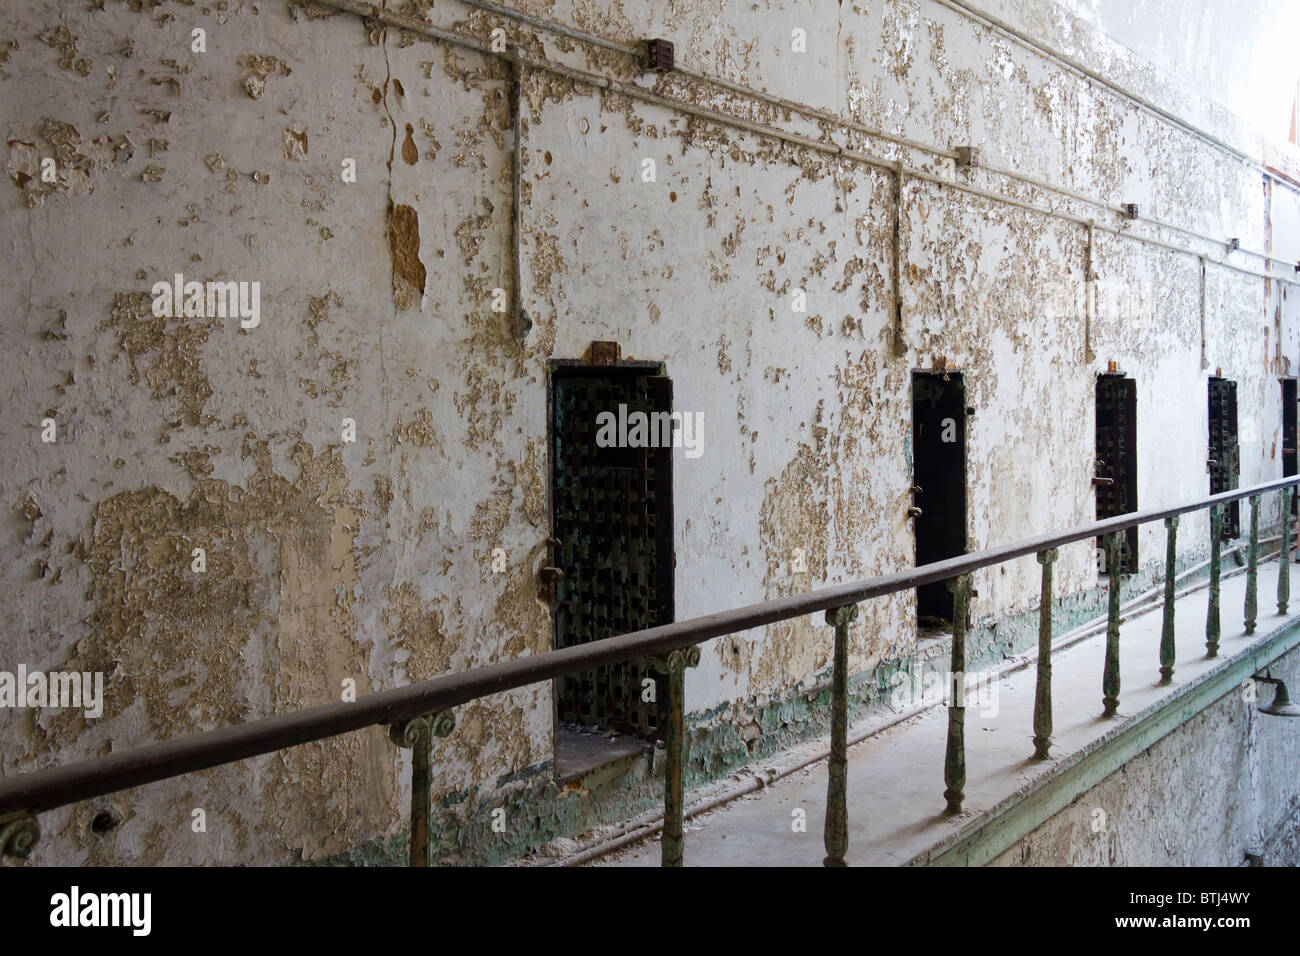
1110	675
1167	626
1284	556
19	834
1043	689
837	785
954	765
1212	614
417	734
1252	567
675	663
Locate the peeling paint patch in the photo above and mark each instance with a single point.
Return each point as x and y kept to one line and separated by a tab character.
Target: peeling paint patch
420	432
60	38
295	143
416	626
77	161
173	347
258	67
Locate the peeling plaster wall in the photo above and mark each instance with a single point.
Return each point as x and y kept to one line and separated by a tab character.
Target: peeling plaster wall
371	561
1187	38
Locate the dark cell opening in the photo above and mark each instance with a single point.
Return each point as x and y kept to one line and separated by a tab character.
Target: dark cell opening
939	483
1115	473
1225	453
1289	459
612	521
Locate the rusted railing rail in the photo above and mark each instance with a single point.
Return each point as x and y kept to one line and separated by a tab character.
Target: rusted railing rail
418	712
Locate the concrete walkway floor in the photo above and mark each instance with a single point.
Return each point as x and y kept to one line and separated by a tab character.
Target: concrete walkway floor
895	777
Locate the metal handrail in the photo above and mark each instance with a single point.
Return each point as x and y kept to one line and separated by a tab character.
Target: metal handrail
419	711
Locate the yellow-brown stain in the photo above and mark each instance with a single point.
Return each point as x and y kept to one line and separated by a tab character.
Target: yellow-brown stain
408	270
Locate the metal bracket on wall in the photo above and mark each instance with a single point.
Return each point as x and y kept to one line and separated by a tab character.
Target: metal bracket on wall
659	55
604	353
551	573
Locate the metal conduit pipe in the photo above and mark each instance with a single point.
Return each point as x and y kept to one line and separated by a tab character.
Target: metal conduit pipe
373	14
974	13
827	116
635	53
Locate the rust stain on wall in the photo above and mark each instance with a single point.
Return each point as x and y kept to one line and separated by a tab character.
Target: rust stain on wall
410	153
408	270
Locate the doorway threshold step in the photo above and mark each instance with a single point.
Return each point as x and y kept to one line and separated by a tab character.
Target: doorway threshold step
578	752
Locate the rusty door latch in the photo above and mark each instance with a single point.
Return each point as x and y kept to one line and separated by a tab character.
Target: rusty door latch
914	511
550	574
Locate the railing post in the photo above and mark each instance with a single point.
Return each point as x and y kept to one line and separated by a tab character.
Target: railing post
1110	675
1284	556
1252	567
1212	613
675	663
417	734
954	764
1167	650
837	784
1043	689
19	833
